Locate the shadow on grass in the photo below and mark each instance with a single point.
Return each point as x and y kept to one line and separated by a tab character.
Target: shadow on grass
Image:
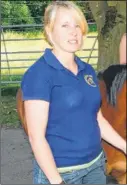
9	90
9	116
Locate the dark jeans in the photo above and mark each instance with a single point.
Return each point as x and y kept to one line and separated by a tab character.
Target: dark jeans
95	174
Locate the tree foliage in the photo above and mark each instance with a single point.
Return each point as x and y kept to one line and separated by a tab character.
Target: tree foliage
23	14
14	12
6	11
27	12
37	9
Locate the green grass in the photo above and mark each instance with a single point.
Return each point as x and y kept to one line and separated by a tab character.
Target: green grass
13	78
9	117
9	89
34	45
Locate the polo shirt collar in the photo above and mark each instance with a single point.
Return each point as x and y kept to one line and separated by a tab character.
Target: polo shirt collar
55	63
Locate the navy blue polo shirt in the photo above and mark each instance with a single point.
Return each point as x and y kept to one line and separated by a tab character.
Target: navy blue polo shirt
72	130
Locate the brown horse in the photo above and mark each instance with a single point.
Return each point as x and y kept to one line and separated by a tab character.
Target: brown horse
113	109
113	91
21	110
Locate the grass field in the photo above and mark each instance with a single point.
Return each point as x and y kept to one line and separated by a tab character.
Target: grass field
34	45
8	113
9	117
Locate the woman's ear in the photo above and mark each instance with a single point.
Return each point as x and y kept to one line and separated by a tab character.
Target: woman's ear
50	38
49	35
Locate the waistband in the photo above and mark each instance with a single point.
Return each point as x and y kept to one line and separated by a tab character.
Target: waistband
78	167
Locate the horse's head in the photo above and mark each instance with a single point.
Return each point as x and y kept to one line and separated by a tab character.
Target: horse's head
114	77
113	90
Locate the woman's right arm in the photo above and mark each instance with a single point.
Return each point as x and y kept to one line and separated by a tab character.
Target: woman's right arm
36	112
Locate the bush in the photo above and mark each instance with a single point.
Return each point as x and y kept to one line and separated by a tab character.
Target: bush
37	9
5	12
15	13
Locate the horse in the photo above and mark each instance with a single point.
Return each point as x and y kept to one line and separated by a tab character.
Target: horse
21	110
112	83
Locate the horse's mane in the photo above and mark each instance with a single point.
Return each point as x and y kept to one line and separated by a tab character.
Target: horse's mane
114	78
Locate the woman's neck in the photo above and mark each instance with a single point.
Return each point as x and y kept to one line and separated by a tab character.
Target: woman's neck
65	58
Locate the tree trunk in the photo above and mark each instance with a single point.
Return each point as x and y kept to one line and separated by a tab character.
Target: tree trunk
111	25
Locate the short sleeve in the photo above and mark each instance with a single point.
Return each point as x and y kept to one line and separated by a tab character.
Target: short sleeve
36	85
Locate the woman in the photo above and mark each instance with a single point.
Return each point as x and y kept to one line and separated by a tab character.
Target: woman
122	50
62	101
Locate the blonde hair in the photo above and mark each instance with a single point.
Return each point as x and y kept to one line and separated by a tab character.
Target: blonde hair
51	11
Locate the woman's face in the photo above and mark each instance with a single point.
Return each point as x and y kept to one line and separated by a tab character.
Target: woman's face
66	34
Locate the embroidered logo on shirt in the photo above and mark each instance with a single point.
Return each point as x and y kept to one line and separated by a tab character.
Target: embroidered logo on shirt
89	80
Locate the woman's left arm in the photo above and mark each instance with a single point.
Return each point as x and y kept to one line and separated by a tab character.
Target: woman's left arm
109	134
